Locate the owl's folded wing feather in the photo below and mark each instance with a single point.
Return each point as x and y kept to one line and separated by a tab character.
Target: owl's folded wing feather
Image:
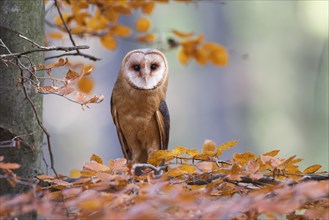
124	146
163	121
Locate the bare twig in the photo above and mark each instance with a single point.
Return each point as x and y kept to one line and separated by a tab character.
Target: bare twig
52	162
74	54
78	53
44	49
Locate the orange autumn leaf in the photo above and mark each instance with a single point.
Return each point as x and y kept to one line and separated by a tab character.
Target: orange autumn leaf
108	42
181	34
94	166
86	70
58	20
143	24
312	169
183	57
192	153
120	30
85	85
209	147
243	158
187	168
148	7
146	38
9	166
158	156
55	35
96	158
179	150
75	174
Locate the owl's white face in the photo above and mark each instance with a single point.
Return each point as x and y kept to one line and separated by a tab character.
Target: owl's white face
145	68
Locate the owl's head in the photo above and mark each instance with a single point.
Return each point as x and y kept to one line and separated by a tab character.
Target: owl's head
144	68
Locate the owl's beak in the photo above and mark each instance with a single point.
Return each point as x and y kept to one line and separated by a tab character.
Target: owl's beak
144	75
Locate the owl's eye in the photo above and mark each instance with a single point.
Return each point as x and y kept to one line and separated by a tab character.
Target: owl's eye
154	66
136	67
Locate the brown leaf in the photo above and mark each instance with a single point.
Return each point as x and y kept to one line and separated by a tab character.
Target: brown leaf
58	63
97	159
94	166
205	166
71	75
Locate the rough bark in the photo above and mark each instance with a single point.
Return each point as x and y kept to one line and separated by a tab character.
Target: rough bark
16	115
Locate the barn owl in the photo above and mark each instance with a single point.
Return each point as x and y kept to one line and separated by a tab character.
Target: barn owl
138	105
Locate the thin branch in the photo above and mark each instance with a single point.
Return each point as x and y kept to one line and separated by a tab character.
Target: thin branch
64	23
44	49
52	162
74	54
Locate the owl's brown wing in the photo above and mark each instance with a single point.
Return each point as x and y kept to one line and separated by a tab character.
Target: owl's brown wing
124	146
163	121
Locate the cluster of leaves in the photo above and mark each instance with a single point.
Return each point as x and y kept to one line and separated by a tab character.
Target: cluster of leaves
70	82
178	184
101	19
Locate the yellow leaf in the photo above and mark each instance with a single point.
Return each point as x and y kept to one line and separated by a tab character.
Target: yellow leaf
75	174
85	85
108	42
209	147
91	205
201	157
78	30
219	57
55	35
183	56
58	19
272	153
148	7
192	153
143	24
111	15
120	30
98	22
179	150
227	145
87	70
312	169
175	172
96	158
187	168
181	34
158	156
243	158
201	56
146	38
80	18
86	173
122	9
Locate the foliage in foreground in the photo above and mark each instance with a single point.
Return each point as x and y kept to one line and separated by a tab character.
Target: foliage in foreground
180	184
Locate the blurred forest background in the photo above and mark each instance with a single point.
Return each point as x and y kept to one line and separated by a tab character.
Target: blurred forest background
273	94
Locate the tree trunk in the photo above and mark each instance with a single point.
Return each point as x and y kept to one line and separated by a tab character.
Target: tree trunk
24	17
